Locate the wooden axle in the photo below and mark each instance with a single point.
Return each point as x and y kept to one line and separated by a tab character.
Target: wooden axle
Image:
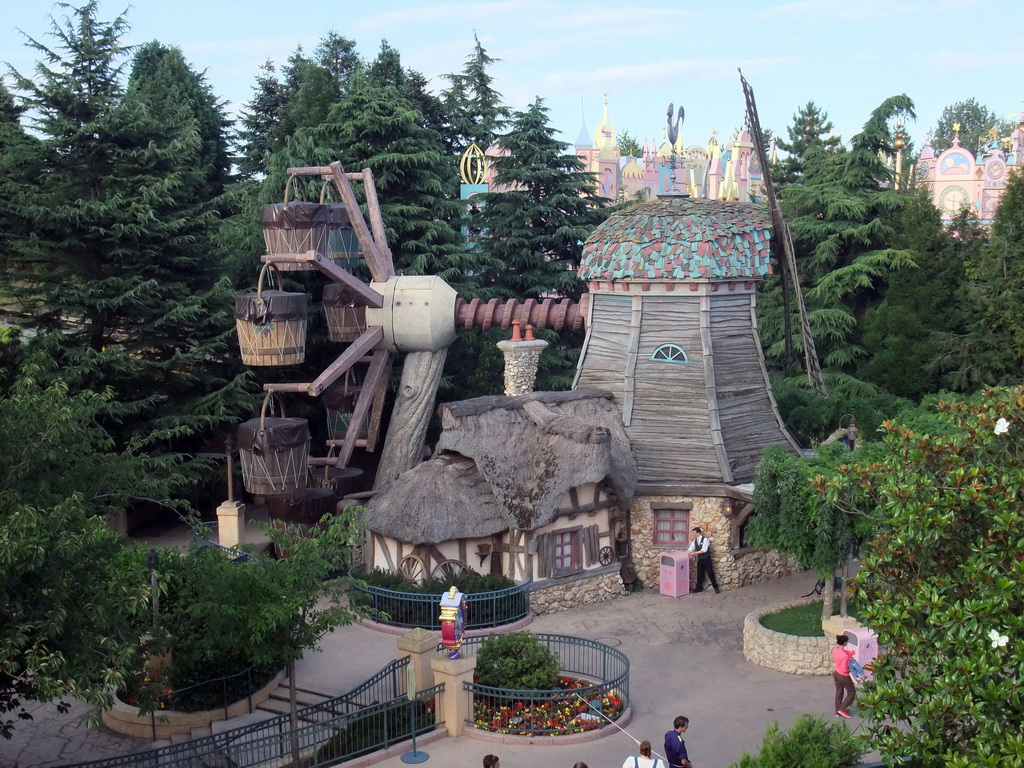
545	313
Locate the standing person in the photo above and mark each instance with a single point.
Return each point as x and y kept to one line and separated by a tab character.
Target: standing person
845	691
702	546
491	761
644	760
675	747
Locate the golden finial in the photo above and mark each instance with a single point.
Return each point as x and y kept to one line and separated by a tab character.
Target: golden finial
899	143
473	165
956	131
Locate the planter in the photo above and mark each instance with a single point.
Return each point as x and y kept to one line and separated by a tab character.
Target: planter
785	653
127	720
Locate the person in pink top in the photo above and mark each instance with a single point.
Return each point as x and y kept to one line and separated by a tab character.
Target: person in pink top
845	691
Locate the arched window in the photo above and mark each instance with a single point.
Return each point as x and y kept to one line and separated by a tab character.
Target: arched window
670	353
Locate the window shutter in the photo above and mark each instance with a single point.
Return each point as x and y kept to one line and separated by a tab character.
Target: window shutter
545	555
591	536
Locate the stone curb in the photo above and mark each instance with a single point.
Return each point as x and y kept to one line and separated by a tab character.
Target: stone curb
781	652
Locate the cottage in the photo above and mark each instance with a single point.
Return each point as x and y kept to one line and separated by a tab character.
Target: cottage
536	486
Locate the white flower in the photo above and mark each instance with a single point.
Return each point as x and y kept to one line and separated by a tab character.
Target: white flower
998	641
1002	426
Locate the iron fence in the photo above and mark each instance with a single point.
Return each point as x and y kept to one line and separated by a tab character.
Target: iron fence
202	538
593	690
373	716
484	610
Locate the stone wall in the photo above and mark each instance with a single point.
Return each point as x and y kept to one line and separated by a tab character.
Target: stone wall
733	567
554	595
785	653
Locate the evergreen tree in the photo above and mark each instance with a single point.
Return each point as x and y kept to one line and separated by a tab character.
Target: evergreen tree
387	70
121	257
19	171
169	83
260	119
541	209
997	290
628	146
379	127
841	224
975	122
811	129
473	107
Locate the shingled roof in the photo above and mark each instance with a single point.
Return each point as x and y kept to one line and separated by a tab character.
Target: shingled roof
680	238
507	462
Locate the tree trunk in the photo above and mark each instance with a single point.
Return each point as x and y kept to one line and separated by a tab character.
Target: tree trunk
403	448
828	596
293	705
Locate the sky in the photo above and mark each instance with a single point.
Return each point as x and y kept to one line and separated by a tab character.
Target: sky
845	55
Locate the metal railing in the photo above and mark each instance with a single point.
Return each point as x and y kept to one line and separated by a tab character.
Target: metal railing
373	716
484	610
596	680
202	538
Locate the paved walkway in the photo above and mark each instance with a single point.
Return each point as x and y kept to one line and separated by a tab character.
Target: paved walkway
686	658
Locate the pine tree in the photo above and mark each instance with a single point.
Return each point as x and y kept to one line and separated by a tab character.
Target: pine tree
474	108
975	121
841	224
534	228
379	128
121	261
20	159
810	125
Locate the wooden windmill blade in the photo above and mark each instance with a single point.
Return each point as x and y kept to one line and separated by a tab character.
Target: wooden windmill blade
814	376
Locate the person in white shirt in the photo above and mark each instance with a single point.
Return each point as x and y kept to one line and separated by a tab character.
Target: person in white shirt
702	546
644	759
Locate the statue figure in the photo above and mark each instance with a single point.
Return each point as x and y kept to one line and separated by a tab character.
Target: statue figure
673	128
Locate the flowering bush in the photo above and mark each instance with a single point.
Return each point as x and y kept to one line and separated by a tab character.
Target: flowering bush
148	691
570	708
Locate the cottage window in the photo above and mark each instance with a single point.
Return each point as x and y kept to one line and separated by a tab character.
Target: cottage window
670	353
567	552
671	526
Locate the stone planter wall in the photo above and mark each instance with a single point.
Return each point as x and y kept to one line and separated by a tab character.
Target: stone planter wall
554	595
785	653
125	719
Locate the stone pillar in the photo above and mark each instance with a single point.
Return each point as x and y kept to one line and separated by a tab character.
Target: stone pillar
420	646
455	703
521	356
231	524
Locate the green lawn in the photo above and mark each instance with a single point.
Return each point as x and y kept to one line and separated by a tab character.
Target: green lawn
803	620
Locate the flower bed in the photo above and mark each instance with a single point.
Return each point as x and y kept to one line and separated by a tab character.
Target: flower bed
571	708
128	720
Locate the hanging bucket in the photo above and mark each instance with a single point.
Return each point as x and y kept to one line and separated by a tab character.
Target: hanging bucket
271	325
274	453
300	510
342	244
340	402
296	226
345	318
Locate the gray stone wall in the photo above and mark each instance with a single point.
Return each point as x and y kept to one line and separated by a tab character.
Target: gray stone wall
785	653
733	568
576	591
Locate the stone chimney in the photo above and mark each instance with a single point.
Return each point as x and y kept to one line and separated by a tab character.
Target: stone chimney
521	356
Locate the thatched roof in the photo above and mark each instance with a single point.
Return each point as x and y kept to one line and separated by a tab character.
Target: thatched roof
439	500
507	462
679	239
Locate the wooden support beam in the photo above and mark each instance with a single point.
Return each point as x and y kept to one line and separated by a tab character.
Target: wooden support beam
377	412
366	341
374	259
323	171
381	358
353	284
286	387
377	222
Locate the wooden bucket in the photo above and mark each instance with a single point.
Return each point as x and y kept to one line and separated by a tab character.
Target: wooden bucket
274	453
271	325
340	402
300	510
345	318
342	244
296	226
339	481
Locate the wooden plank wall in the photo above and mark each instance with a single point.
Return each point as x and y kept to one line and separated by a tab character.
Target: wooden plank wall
747	413
671	429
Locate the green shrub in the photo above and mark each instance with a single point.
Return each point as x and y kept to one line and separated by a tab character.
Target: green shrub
810	743
517	660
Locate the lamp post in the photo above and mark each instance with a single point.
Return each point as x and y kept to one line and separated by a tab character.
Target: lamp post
153	561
